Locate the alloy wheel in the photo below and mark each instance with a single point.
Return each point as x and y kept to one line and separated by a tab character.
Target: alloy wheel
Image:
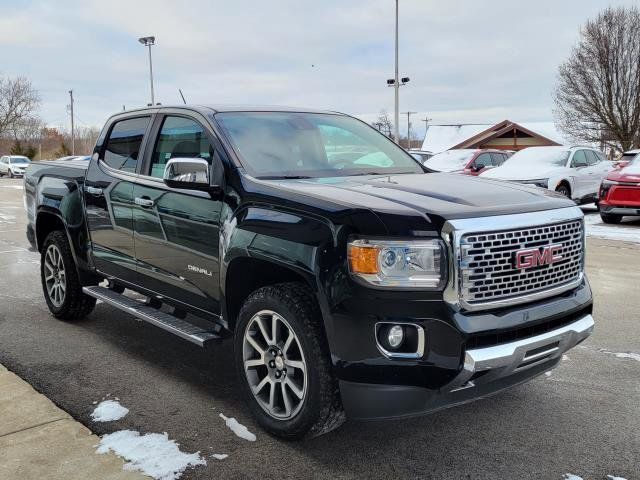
274	365
54	275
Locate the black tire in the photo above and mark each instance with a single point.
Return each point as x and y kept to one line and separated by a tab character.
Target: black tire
10	174
320	410
74	304
610	218
562	189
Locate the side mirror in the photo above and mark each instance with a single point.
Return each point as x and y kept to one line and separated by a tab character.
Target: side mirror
187	173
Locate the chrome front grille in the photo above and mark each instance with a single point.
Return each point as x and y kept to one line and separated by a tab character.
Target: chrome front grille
487	262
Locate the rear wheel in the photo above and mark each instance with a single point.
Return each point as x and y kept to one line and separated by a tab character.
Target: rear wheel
283	360
610	217
60	282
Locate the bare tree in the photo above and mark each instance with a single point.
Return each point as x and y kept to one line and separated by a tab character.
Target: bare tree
598	93
19	103
384	123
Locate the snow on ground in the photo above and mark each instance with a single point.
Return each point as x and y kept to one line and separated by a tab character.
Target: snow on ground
239	429
152	454
631	355
108	411
219	456
571	476
15	187
596	228
611	477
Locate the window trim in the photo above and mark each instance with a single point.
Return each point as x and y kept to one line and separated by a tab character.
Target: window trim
143	143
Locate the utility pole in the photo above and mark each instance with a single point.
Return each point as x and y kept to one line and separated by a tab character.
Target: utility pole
73	135
396	85
409	128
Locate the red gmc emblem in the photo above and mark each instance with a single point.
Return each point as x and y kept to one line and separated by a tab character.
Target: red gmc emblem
533	257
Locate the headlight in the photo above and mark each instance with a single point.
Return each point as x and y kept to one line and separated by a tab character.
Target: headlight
539	182
410	264
605	186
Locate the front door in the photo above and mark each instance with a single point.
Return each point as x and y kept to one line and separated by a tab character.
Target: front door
580	175
177	231
108	194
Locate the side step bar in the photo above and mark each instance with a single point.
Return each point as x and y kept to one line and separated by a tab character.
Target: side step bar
167	322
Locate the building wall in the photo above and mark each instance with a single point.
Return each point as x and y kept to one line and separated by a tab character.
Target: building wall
507	143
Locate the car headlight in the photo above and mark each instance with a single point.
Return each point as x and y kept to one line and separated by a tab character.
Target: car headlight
408	264
538	182
605	186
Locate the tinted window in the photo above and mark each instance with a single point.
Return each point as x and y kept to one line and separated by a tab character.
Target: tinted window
579	159
483	160
124	143
498	159
179	138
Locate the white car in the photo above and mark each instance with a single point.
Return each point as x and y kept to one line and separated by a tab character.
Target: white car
575	172
13	165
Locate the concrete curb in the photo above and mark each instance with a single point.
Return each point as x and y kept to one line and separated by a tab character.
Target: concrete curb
38	440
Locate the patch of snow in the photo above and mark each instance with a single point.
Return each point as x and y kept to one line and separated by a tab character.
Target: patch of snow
611	477
239	429
222	456
596	228
565	357
634	356
15	187
571	476
108	411
152	454
548	374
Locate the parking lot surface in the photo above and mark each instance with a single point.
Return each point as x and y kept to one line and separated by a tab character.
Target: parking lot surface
582	418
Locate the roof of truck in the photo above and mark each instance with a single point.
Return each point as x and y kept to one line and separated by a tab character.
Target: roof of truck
234	108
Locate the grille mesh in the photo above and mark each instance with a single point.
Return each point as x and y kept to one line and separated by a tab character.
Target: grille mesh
487	265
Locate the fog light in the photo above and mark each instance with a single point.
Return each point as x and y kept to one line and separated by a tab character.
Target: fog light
395	336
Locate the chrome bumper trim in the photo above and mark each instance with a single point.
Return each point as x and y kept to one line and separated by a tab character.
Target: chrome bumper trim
502	360
622	210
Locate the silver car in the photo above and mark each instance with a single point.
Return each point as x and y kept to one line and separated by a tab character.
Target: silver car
13	165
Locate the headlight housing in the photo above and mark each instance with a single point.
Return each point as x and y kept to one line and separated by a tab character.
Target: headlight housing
605	186
401	264
538	182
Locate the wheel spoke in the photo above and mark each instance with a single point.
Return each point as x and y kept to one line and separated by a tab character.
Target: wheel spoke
272	397
274	329
255	345
263	330
287	344
261	385
63	287
294	364
48	277
286	399
253	363
297	391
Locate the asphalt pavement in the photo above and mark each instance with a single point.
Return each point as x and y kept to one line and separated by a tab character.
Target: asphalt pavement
583	418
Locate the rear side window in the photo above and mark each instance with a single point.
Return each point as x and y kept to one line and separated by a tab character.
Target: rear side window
483	160
592	158
122	149
498	159
579	159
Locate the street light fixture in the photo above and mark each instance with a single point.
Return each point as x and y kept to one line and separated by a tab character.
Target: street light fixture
148	42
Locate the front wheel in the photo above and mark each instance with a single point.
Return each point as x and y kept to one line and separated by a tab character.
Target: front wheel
283	361
60	283
610	217
11	174
563	190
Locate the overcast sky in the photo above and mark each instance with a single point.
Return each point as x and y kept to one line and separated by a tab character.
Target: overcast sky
469	61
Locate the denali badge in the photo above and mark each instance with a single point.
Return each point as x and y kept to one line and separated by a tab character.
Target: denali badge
201	270
538	256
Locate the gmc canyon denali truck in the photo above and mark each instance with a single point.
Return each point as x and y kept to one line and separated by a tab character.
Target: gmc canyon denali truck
351	283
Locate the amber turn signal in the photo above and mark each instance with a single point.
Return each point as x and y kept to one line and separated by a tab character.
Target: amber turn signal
363	259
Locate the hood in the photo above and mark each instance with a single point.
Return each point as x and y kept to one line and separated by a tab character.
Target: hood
521	172
444	194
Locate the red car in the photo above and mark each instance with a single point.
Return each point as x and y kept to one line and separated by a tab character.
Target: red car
466	160
620	193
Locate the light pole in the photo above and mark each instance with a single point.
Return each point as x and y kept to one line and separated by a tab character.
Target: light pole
396	83
148	42
73	133
409	128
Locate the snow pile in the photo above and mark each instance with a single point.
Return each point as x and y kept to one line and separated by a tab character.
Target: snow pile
152	454
625	233
108	411
612	477
571	476
219	456
633	356
239	429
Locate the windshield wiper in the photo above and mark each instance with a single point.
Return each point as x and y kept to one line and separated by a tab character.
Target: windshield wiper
284	177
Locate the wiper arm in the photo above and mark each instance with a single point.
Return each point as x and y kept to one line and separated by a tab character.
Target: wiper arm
284	177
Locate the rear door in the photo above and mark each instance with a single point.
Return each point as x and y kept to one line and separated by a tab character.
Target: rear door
598	169
581	180
177	231
109	195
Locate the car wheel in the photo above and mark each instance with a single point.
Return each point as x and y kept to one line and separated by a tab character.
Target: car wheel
60	283
562	189
283	361
10	173
610	217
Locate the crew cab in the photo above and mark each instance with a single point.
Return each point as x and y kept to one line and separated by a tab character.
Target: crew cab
351	282
468	161
575	172
620	193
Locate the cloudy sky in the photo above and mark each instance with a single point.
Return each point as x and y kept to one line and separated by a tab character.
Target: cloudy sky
469	61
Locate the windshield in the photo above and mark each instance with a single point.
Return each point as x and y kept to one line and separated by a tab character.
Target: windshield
311	145
449	161
548	156
19	160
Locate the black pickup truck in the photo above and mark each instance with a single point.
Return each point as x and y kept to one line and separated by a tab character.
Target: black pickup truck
351	282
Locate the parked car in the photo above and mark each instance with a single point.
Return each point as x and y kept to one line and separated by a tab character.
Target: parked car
626	158
575	172
467	161
421	155
351	286
620	193
13	165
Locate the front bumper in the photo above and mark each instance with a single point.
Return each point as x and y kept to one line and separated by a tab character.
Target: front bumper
485	371
613	210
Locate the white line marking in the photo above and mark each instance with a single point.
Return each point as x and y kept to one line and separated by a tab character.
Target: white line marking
13	251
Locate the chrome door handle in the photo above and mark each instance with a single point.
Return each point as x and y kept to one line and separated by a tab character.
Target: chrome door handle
93	190
144	202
